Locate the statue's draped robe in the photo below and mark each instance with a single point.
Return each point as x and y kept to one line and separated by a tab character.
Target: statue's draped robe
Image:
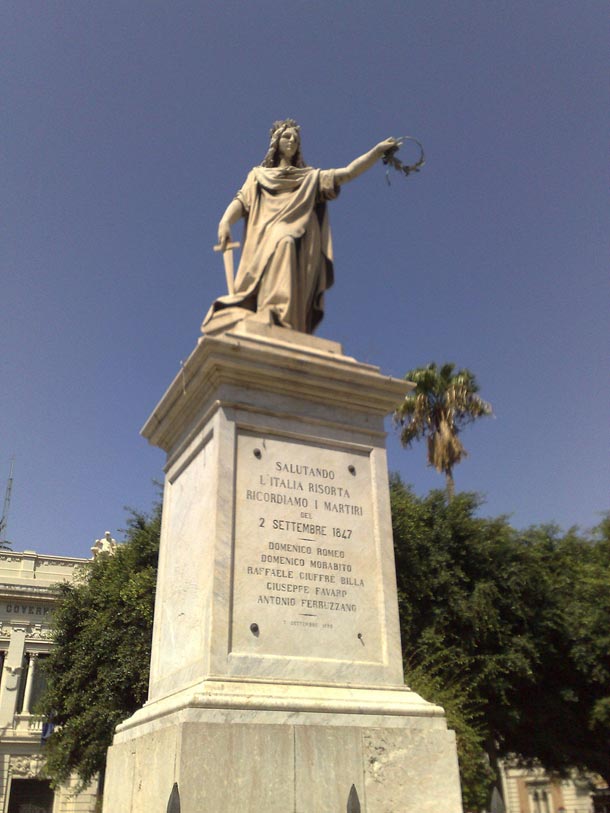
286	262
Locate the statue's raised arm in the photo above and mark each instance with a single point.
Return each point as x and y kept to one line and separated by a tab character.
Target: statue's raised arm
364	162
286	263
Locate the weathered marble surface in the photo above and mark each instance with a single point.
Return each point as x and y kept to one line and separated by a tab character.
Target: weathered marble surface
276	768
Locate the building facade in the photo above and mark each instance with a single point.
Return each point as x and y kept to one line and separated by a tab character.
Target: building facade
533	791
27	597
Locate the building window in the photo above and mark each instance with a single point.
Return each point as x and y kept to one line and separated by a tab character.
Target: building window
540	799
38	683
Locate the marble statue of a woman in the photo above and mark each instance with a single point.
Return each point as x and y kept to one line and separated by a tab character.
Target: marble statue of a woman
286	262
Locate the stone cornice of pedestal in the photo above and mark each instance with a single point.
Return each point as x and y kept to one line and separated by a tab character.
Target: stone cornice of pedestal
290	699
273	367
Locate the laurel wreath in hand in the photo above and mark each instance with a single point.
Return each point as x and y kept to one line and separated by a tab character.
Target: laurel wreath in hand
390	160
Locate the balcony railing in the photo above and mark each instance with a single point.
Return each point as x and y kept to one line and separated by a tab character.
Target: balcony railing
28	724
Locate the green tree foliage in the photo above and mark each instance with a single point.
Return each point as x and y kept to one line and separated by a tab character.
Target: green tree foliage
433	678
440	406
508	631
522	619
98	670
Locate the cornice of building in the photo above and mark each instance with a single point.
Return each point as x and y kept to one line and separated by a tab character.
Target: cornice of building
51	558
31	590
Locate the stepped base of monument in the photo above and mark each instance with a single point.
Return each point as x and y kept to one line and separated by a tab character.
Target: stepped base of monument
274	758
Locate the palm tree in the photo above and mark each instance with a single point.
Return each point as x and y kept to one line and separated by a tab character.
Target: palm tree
439	407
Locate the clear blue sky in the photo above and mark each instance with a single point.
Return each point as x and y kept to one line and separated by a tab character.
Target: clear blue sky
128	128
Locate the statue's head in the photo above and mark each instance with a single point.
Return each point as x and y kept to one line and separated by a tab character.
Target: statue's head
283	129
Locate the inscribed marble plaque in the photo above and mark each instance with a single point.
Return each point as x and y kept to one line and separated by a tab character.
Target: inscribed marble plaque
306	575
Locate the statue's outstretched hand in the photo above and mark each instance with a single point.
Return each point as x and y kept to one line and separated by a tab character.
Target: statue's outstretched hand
388	144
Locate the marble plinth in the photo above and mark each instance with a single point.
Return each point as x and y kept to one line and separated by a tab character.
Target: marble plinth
276	676
285	765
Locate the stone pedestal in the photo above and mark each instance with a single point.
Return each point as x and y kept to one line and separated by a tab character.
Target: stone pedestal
276	672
